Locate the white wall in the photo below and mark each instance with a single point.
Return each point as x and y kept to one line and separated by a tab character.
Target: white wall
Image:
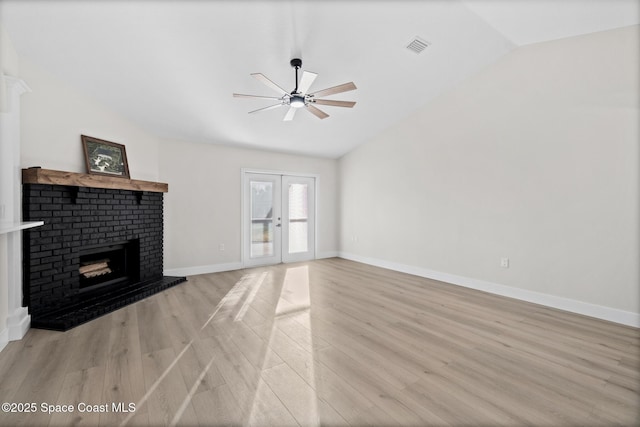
203	205
54	116
535	159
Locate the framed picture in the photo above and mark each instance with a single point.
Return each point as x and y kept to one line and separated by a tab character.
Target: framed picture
104	157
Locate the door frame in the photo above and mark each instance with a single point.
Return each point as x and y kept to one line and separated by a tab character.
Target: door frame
287	256
243	229
276	220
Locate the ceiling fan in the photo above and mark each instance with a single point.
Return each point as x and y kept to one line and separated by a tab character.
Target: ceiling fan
299	98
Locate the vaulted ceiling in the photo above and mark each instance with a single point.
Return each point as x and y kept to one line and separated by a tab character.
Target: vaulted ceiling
172	66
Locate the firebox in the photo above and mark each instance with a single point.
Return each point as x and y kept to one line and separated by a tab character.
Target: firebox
107	265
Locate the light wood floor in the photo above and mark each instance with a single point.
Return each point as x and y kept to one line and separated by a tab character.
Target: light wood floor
329	342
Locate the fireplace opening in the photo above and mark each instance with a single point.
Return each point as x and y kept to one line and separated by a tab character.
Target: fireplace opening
109	265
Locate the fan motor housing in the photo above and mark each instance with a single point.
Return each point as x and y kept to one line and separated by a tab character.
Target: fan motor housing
297	101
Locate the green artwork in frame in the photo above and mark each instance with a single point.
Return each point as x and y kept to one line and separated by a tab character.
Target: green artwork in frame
105	158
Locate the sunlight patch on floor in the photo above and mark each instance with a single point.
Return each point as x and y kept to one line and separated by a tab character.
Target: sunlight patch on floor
235	294
156	384
252	294
295	291
189	395
294	302
231	299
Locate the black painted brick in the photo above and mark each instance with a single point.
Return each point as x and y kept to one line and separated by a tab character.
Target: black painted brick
77	217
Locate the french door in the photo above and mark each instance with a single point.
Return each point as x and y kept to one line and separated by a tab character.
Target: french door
278	218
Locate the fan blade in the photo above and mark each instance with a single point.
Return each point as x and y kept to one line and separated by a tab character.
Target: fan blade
266	108
289	116
240	95
336	89
307	80
261	78
348	104
317	112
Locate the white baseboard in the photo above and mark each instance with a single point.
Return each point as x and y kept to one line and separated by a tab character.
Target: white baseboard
4	338
328	254
217	268
203	269
606	313
18	323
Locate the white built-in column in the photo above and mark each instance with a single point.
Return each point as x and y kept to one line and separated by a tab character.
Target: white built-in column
14	318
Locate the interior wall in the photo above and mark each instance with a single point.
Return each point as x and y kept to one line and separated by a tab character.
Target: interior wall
203	205
54	115
535	159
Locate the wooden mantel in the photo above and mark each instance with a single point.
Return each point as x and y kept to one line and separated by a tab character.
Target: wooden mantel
72	179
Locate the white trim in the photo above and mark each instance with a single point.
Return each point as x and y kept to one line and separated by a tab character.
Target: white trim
601	312
6	228
18	323
276	256
277	172
231	266
243	231
328	254
203	269
310	253
20	84
244	172
4	338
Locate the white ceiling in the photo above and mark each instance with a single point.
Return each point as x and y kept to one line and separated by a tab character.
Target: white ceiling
172	66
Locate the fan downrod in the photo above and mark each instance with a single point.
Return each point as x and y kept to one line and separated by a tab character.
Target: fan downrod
296	63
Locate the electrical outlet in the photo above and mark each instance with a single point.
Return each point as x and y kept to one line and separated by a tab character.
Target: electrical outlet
221	247
504	262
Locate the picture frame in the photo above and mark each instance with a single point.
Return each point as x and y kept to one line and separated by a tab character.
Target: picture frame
105	157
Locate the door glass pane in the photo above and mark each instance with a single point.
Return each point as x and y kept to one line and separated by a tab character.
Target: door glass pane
261	219
298	218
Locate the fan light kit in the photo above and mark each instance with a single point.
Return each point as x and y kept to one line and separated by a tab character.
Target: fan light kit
298	98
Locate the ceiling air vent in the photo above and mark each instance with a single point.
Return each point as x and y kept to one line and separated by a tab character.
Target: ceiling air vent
417	45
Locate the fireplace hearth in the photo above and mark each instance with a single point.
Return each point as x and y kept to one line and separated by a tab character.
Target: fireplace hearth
99	249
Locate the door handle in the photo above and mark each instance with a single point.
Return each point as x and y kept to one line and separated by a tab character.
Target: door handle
278	225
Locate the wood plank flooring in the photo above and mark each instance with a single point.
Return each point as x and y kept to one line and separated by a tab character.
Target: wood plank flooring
329	342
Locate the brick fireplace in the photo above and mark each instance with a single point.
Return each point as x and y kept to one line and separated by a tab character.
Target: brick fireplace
99	249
